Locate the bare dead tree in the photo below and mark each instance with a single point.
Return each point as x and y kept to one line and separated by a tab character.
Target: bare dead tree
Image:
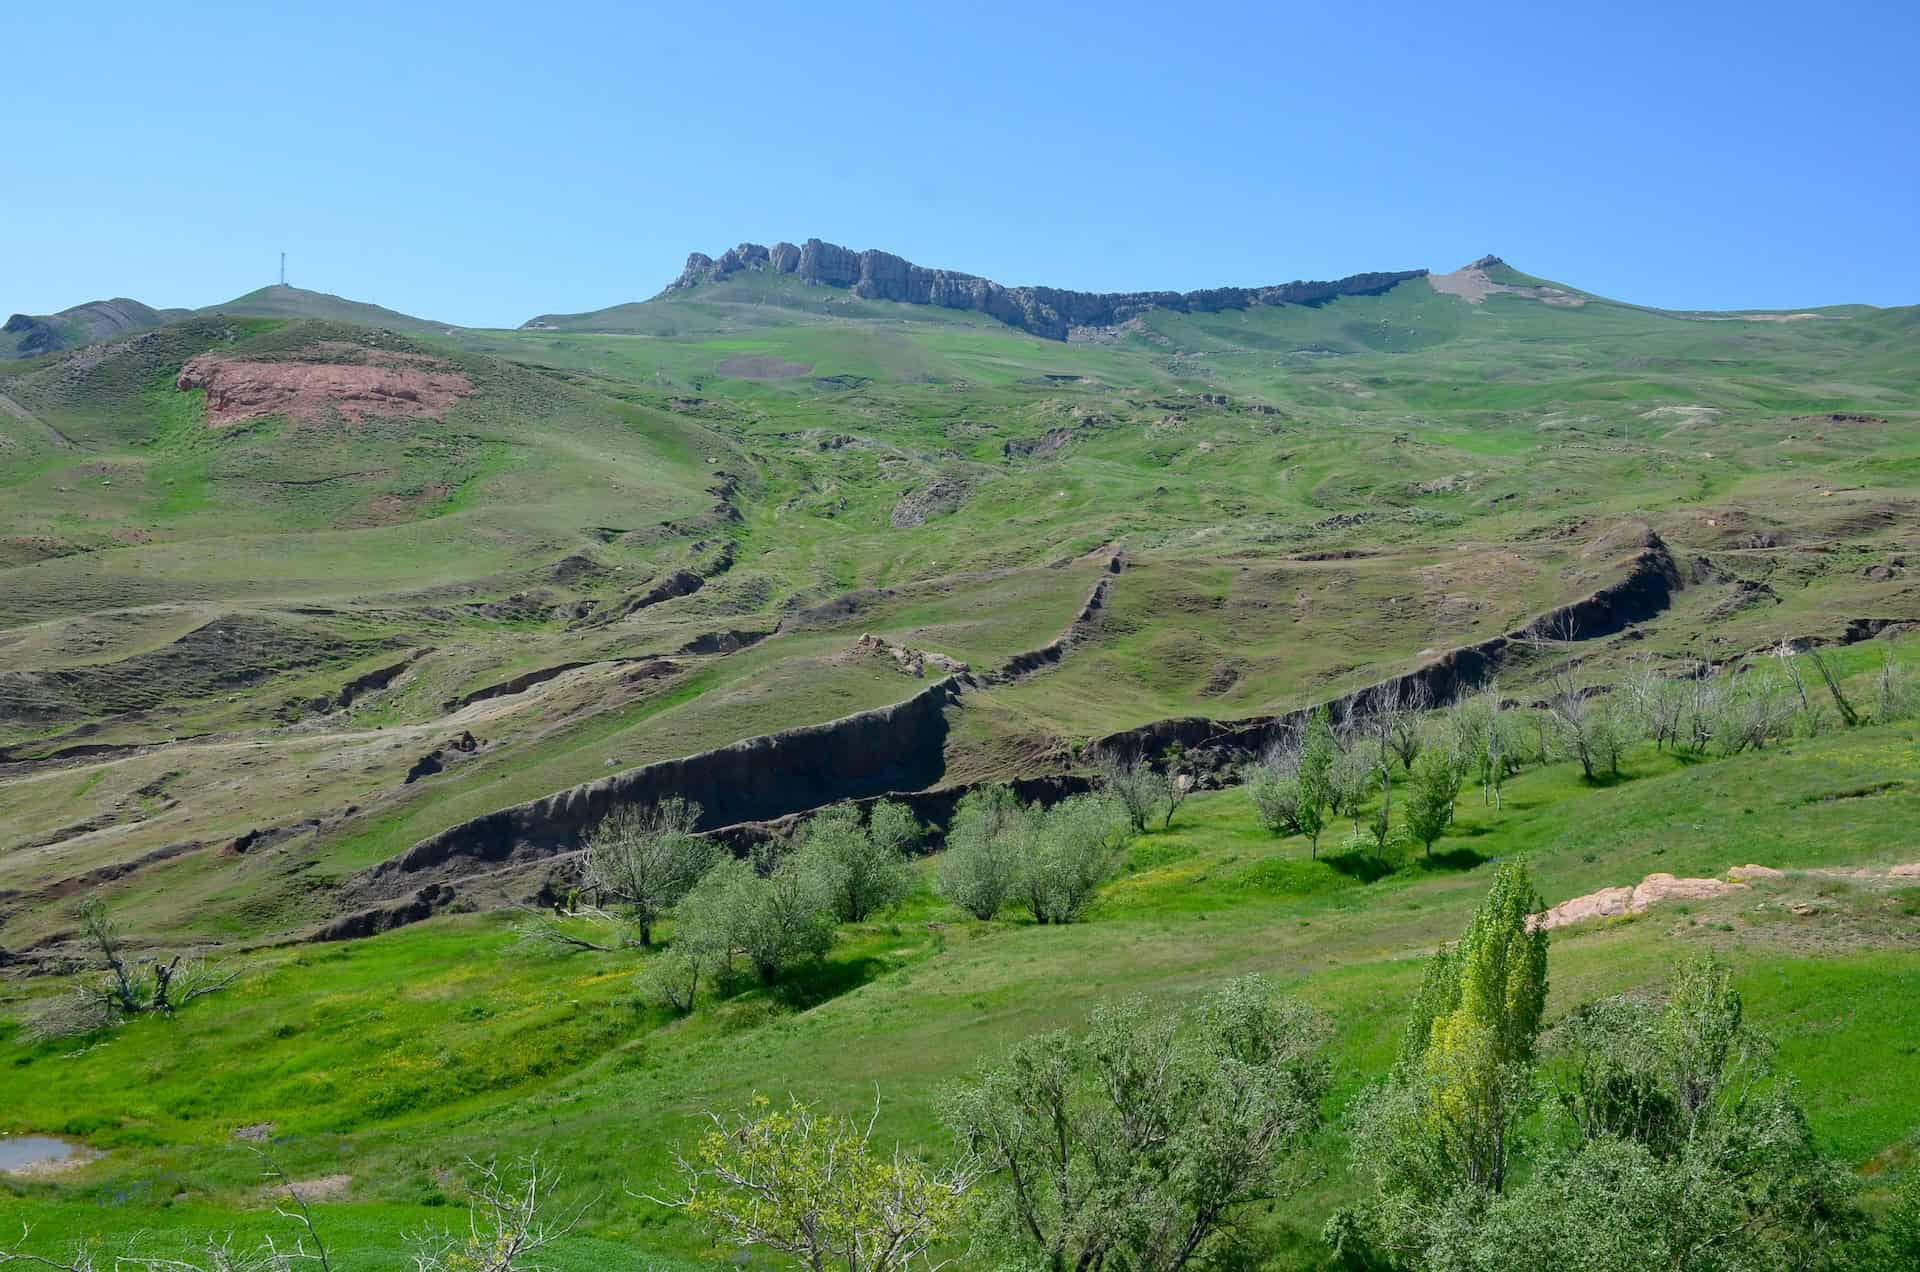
544	927
510	1219
125	986
1831	679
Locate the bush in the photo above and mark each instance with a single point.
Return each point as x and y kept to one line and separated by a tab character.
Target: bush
1135	1145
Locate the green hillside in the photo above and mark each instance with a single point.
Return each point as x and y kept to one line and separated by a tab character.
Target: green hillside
27	336
281	301
294	584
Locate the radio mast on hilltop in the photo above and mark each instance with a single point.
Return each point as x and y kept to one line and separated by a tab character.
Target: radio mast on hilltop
283	269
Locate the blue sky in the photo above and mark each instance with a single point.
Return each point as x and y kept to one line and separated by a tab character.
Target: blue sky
481	163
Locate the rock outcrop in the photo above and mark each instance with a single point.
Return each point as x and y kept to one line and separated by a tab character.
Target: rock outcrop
317	381
1046	311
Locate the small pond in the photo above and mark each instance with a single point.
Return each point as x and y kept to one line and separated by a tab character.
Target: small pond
17	1152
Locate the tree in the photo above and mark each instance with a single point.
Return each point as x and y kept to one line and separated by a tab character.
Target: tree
120	989
1432	791
645	857
1067	852
1137	787
773	920
1394	713
788	919
1893	690
1350	781
509	1219
1659	702
1288	790
814	1188
862	866
981	865
1677	1144
1179	785
1438	1137
1900	1237
674	976
1135	1145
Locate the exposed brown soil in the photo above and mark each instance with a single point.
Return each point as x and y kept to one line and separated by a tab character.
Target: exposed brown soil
310	388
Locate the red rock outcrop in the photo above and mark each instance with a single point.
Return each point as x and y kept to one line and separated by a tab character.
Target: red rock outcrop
242	388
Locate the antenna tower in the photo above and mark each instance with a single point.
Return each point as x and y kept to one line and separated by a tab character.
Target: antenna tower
283	269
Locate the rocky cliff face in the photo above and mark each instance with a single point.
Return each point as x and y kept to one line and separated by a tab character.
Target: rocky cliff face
1045	311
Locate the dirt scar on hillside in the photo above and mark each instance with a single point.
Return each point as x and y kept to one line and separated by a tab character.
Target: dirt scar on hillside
239	389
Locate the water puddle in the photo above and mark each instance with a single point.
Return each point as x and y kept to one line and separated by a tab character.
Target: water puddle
26	1152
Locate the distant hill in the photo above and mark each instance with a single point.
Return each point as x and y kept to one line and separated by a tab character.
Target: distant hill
1050	312
29	335
296	302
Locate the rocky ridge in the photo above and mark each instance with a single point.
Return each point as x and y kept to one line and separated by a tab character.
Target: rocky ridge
28	335
1051	312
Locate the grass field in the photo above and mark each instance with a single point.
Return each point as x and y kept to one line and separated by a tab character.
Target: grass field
392	1059
657	530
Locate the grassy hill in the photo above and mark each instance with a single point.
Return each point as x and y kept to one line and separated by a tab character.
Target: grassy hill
27	336
288	590
280	301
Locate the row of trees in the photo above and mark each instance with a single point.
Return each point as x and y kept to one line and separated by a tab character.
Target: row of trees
736	916
1637	1132
762	915
1407	761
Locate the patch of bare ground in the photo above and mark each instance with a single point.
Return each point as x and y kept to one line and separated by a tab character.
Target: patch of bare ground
321	1188
1761	317
314	383
1473	284
1861	901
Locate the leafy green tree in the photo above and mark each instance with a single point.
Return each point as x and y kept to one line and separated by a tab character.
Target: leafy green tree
772	920
1292	787
861	865
815	1188
1432	790
645	857
1679	1145
1900	1234
981	865
1437	1139
1067	852
1136	1145
1285	799
1136	786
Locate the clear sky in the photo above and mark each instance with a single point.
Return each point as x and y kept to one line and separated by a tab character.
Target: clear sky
481	163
